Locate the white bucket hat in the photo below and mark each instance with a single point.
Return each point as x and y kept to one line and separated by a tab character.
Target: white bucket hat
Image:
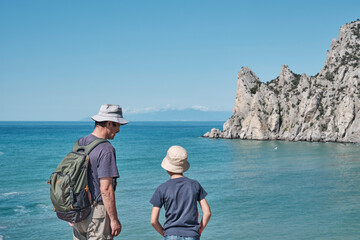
110	112
176	160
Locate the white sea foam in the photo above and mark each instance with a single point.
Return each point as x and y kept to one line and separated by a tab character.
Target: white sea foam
43	206
11	194
1	237
21	210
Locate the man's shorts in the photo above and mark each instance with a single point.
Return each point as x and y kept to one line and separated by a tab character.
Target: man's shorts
95	226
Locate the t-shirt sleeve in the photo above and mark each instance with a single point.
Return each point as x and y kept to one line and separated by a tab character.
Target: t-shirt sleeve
201	192
107	166
156	199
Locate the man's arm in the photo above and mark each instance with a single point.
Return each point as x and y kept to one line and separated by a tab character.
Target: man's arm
206	214
108	197
155	220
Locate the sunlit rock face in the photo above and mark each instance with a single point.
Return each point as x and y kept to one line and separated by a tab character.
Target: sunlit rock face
294	107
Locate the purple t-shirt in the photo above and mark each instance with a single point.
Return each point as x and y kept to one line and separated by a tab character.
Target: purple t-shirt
102	164
179	197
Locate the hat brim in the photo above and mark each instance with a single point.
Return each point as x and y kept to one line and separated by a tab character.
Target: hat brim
172	168
99	118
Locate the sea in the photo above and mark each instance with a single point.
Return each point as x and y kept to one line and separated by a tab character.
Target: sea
256	189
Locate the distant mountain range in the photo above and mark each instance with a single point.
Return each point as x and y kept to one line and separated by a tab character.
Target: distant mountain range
188	114
180	115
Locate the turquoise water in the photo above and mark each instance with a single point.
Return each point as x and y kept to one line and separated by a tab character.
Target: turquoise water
256	189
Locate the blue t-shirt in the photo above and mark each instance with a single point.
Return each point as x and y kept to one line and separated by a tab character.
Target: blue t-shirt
102	164
179	197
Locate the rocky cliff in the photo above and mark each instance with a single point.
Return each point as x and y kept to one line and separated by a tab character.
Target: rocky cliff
324	107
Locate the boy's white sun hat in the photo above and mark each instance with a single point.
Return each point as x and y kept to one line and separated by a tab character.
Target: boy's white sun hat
110	112
176	160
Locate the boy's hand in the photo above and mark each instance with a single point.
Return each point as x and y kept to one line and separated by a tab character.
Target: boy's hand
206	214
155	221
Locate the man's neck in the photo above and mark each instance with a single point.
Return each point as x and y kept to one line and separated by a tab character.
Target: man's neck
99	132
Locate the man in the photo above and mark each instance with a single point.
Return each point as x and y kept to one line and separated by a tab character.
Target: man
103	222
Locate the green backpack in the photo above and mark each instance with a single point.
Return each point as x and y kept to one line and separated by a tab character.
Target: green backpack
69	189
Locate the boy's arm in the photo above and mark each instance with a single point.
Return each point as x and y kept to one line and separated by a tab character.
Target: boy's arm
206	214
155	220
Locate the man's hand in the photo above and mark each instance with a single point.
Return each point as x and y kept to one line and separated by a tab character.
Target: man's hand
108	197
115	227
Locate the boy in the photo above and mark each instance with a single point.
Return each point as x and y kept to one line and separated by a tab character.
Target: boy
179	196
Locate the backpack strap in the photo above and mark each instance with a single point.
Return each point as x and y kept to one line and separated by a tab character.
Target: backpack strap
87	148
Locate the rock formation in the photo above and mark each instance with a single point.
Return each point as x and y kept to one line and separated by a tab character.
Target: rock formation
324	107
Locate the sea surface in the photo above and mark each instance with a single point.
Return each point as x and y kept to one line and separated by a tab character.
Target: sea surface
256	189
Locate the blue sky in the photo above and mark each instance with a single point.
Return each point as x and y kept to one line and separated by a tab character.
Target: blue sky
60	60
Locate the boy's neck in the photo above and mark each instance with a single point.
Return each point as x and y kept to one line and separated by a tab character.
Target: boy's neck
175	175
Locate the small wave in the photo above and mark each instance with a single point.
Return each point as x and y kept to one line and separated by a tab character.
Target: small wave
1	153
21	209
2	227
1	237
11	194
43	206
